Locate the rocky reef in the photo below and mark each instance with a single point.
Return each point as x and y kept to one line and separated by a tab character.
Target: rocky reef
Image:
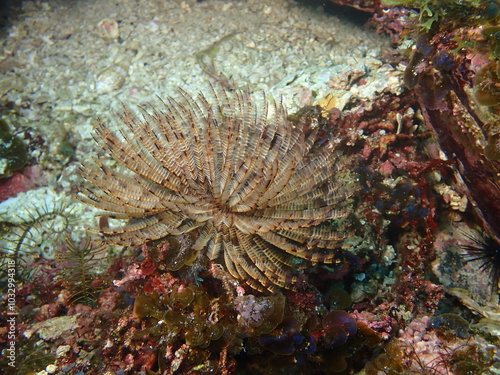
413	286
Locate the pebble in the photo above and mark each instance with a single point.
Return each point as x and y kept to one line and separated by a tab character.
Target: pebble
51	369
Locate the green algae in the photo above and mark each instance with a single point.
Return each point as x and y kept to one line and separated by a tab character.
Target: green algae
13	152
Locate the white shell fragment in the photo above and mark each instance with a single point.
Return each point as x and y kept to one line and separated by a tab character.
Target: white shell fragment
108	29
111	79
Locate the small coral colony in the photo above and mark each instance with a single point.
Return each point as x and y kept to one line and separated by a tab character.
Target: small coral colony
236	238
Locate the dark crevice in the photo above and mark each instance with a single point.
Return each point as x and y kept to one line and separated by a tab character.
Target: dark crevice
346	13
